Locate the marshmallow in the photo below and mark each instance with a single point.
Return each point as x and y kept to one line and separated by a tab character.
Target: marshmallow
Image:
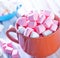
15	54
48	22
47	32
2	42
41	18
46	12
10	44
40	28
54	27
51	16
55	22
22	21
8	50
28	31
21	29
32	24
30	17
4	46
34	35
35	16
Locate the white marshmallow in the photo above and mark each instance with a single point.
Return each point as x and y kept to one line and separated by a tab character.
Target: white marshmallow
47	32
21	29
34	35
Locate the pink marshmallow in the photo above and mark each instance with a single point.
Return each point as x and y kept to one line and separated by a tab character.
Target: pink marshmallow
10	44
30	17
41	18
32	24
4	46
46	12
48	22
55	22
15	54
54	27
2	42
35	16
22	22
8	50
7	44
41	28
27	31
51	16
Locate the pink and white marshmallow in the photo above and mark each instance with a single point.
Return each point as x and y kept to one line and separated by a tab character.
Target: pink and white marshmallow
40	28
22	22
34	35
32	24
21	29
41	19
15	54
47	32
28	31
8	50
48	22
54	27
55	22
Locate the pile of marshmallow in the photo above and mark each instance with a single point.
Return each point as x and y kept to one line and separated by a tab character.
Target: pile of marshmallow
6	7
36	24
9	49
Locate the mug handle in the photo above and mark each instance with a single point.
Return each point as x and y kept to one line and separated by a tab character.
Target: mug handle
12	29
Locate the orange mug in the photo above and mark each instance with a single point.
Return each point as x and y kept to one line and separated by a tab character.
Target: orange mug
40	47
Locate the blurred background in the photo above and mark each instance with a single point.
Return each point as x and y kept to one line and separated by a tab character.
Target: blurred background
11	10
